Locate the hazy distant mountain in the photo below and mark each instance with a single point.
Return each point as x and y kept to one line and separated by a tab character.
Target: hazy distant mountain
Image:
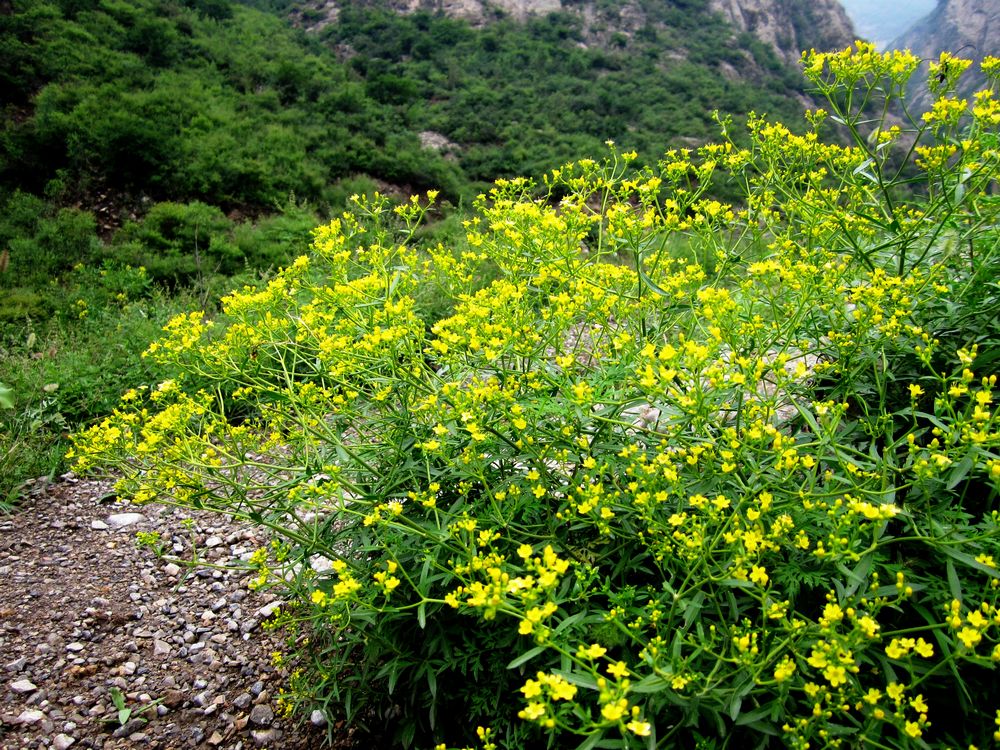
881	21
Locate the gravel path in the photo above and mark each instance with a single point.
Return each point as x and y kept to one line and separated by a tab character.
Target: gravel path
85	611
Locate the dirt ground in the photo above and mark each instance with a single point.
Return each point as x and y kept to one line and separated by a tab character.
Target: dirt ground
88	618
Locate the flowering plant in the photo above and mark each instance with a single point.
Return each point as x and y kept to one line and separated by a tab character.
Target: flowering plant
670	471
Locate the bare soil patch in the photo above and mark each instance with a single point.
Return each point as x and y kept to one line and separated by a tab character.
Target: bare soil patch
86	613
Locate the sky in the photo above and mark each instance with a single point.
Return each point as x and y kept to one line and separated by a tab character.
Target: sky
881	21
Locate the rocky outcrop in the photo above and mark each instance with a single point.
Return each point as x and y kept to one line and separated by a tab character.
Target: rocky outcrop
970	28
967	28
791	26
479	11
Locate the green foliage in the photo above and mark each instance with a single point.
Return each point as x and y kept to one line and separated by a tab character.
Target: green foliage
41	243
71	369
522	97
179	242
678	472
166	100
177	245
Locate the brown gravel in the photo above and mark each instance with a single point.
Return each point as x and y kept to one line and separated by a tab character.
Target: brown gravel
83	610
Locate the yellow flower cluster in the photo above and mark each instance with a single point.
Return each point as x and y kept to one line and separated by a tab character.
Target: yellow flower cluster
698	462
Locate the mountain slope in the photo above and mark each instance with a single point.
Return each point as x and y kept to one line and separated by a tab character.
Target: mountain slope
967	28
790	26
223	103
513	83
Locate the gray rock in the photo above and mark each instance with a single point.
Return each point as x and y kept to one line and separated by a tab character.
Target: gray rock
161	648
23	686
242	700
172	569
268	609
264	737
174	698
31	716
129	727
98	525
62	741
213	541
121	520
75	647
17	665
262	715
317	718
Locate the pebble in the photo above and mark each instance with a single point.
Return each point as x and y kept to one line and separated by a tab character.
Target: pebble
264	737
242	700
62	741
317	718
30	716
261	715
174	698
161	648
97	525
172	569
23	686
17	665
130	727
268	609
121	520
213	541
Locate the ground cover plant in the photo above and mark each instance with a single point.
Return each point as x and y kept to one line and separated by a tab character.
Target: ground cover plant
631	467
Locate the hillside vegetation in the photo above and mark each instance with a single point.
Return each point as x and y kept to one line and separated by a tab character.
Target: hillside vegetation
155	148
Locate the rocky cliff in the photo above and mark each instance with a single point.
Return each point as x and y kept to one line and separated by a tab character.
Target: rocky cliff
479	11
791	26
967	28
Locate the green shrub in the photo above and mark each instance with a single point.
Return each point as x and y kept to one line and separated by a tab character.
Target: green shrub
42	241
20	303
179	242
737	490
276	240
